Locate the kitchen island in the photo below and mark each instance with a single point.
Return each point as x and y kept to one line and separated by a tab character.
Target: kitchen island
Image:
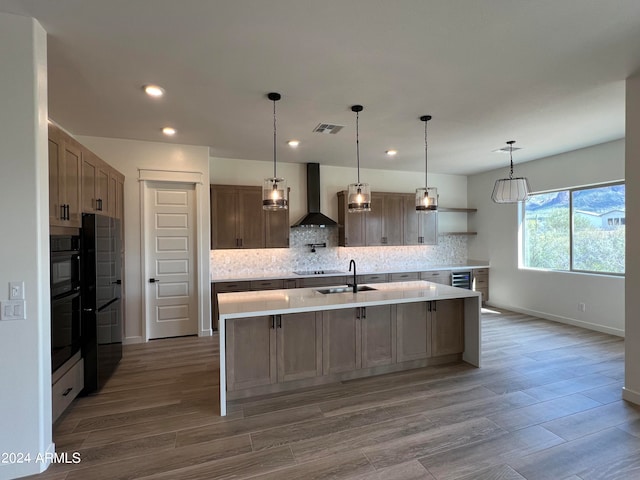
280	340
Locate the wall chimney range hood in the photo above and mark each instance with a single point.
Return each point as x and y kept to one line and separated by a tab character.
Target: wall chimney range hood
314	218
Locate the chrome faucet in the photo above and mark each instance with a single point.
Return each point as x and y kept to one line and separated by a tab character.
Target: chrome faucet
355	281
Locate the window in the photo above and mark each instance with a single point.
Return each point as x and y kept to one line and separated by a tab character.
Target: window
578	229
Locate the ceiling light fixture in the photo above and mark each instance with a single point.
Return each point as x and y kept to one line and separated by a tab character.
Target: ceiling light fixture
427	197
512	189
359	197
391	153
153	90
274	191
169	131
293	143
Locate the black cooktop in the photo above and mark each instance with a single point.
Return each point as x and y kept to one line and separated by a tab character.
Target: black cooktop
317	272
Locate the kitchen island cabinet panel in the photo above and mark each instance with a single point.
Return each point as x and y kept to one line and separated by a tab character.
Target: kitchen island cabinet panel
341	334
413	331
447	327
378	335
251	362
299	346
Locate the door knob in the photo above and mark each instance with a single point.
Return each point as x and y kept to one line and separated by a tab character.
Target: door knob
154	280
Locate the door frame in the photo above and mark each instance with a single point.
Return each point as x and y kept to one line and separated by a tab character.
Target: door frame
201	255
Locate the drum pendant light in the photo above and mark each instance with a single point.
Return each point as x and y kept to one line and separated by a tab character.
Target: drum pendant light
359	197
427	197
512	189
274	191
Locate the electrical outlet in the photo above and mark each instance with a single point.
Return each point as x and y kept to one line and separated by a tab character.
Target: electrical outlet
16	290
582	307
12	310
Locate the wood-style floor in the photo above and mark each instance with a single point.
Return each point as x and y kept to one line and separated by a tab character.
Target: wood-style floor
545	405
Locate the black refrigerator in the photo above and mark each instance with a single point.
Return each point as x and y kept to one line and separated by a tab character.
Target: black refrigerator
102	328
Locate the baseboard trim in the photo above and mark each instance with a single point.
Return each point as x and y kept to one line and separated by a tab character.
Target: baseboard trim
132	340
630	396
207	332
557	318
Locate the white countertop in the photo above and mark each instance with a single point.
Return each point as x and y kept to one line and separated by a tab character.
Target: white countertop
288	274
273	302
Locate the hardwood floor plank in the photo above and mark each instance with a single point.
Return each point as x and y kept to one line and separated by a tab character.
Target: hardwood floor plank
405	471
571	458
591	421
607	394
567	387
623	469
463	461
543	411
436	440
498	472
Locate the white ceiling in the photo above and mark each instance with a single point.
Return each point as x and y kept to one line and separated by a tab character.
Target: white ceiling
547	73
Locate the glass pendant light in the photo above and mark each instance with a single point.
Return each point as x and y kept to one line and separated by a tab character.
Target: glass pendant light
512	189
274	191
427	197
359	197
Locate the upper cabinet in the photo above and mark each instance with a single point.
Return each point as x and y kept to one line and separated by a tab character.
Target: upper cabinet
79	182
392	220
239	221
65	157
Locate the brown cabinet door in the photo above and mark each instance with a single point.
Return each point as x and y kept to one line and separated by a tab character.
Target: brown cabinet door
55	171
447	326
89	187
102	189
112	204
378	336
374	221
392	212
299	346
341	337
413	331
70	181
412	224
276	224
224	217
250	219
351	232
251	352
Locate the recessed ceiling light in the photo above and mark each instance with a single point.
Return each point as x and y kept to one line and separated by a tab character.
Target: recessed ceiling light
391	153
293	143
153	90
169	131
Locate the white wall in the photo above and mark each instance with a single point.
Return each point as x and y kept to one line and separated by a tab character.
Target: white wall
631	390
451	188
128	156
25	346
551	295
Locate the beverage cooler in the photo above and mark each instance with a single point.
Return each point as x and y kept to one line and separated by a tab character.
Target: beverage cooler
102	329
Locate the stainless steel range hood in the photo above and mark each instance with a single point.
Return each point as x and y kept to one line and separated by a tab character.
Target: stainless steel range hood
314	218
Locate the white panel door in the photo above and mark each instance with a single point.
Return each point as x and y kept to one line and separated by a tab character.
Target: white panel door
170	230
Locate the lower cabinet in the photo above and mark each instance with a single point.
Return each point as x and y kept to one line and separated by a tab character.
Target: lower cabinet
378	326
342	344
413	331
273	348
447	326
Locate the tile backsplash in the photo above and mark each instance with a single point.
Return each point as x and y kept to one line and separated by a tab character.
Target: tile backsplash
451	250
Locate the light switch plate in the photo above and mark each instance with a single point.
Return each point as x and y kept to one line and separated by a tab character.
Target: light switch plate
12	310
16	290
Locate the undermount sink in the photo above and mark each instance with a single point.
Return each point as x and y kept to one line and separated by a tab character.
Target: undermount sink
347	289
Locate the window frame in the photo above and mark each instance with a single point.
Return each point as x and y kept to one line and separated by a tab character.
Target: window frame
570	190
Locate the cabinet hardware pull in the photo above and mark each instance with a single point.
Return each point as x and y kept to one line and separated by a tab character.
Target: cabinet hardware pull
364	312
67	391
358	312
240	242
68	213
154	280
279	321
62	212
273	321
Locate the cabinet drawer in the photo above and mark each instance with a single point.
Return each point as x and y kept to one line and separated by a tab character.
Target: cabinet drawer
404	277
481	271
226	287
484	292
437	276
373	278
267	284
66	389
321	281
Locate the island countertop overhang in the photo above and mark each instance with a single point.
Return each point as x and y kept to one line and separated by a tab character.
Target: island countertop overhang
275	302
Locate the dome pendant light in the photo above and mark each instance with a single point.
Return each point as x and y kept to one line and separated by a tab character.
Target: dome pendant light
427	197
359	197
274	190
511	190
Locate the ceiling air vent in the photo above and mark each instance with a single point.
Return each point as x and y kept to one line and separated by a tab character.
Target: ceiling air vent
328	128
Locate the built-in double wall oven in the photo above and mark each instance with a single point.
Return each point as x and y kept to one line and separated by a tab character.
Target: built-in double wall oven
66	308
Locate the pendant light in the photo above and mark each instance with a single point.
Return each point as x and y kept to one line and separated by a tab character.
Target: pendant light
274	191
427	197
359	197
511	190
